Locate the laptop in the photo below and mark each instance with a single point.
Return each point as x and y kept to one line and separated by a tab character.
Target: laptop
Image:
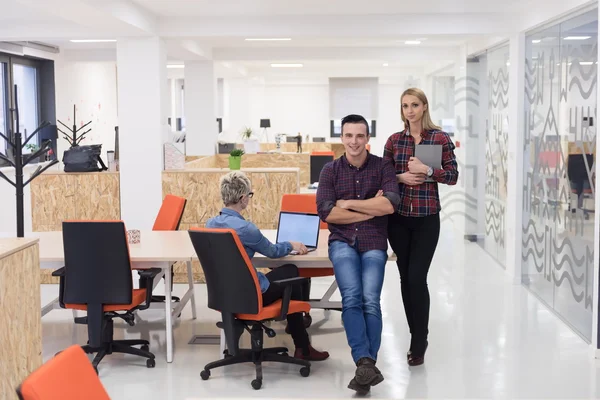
431	155
299	227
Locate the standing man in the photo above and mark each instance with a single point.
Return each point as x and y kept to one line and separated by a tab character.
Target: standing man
355	195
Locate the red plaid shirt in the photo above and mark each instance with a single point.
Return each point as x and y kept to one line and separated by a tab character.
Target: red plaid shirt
340	180
424	199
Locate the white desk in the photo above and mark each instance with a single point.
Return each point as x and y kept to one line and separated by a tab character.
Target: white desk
157	249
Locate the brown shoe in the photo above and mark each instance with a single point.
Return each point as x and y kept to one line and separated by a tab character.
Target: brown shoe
311	355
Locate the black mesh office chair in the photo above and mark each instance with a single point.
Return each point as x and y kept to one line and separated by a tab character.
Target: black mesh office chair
97	278
233	290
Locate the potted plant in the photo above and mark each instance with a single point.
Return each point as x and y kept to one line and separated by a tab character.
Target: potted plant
250	142
235	159
32	149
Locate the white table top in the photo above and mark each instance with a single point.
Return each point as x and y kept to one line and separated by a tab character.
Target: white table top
158	246
154	246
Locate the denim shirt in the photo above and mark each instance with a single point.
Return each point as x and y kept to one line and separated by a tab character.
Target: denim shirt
252	239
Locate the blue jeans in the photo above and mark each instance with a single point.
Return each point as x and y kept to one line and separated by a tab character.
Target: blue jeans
360	279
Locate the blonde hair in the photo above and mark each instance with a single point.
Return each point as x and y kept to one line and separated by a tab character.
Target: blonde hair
234	185
426	121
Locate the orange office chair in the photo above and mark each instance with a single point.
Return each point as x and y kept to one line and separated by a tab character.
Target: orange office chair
234	291
168	219
68	376
97	278
306	202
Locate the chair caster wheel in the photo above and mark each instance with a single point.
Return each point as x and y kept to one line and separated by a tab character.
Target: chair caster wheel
256	384
145	347
305	371
205	374
307	320
150	363
270	332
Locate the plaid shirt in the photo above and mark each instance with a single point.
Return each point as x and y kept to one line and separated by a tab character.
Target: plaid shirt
340	180
424	199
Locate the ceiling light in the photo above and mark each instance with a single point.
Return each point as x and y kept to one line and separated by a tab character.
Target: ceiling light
385	64
412	42
175	66
577	37
268	39
93	40
536	41
586	63
287	65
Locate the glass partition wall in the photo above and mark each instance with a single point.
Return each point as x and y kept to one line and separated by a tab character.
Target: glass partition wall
559	156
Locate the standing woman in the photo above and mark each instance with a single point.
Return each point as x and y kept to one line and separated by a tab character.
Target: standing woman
414	230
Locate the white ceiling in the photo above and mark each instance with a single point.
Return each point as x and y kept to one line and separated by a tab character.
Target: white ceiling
353	33
251	8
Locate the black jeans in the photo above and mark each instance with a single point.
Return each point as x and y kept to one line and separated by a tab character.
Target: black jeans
414	240
275	292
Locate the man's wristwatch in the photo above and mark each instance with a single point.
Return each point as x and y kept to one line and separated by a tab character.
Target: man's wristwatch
429	171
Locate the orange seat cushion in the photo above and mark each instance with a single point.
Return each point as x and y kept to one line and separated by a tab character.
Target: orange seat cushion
68	376
273	310
139	296
315	272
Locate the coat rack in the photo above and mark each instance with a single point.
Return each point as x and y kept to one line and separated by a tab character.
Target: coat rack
72	137
14	140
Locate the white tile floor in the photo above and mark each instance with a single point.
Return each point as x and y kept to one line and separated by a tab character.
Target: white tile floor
488	338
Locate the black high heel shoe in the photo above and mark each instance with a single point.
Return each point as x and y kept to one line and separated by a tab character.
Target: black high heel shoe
414	360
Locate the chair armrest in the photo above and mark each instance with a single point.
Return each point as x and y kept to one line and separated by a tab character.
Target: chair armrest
146	279
59	272
287	294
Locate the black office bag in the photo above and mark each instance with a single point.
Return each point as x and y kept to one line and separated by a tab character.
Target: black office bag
83	159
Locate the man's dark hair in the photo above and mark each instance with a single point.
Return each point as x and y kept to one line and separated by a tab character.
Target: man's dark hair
355	119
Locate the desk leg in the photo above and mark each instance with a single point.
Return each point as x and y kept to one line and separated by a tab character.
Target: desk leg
168	317
191	287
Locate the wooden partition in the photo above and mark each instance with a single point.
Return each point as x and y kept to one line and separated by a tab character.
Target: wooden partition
201	189
260	160
21	324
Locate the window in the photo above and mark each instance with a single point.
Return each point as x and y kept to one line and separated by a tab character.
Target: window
25	73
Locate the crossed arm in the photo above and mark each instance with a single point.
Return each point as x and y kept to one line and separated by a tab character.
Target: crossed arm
351	211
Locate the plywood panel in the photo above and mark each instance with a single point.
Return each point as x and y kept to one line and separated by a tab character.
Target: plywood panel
52	200
21	328
269	188
271	160
97	197
201	190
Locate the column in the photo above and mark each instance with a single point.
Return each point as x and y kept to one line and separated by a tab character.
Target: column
142	106
200	111
514	206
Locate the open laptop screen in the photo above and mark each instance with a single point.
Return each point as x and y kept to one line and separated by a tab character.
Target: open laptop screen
298	227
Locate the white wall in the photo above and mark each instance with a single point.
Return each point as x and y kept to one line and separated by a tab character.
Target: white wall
88	79
302	105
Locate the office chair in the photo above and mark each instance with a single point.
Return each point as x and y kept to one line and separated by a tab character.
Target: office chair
68	376
234	291
306	202
168	219
97	278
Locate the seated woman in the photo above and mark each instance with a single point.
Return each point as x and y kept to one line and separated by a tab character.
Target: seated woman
236	194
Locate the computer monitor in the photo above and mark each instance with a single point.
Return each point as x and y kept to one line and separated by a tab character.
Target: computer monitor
299	227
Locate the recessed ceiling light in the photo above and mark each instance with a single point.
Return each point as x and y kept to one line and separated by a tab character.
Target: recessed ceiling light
287	65
268	39
535	41
586	63
175	66
385	64
577	37
93	40
412	42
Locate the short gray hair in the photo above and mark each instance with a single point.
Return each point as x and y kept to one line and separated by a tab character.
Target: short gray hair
234	185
